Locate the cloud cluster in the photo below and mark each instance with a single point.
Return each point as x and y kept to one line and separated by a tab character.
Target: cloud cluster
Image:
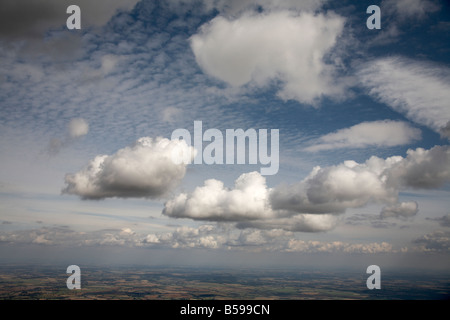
247	201
203	237
279	46
78	127
374	133
437	241
144	169
313	203
419	90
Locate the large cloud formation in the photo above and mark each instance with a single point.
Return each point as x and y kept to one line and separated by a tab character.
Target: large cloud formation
314	203
279	46
144	169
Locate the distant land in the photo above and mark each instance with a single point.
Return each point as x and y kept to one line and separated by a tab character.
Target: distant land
24	282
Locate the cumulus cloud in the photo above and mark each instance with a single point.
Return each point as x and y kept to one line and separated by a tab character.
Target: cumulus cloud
351	185
279	46
247	204
402	210
422	169
419	90
78	127
374	133
314	203
215	202
144	169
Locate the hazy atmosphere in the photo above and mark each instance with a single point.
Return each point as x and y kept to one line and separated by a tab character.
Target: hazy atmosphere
347	160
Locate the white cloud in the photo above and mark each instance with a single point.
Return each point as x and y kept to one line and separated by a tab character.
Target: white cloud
402	210
144	169
375	133
314	204
422	169
270	47
78	127
419	90
214	202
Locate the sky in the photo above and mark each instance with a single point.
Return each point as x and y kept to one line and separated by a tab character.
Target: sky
347	161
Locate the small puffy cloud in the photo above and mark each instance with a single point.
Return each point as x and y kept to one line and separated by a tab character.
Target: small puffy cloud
214	202
279	46
144	169
375	133
78	127
419	90
400	210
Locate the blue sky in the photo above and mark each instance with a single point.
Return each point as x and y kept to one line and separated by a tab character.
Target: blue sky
363	116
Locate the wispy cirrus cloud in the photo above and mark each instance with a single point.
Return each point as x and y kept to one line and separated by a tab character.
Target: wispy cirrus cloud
382	133
419	90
